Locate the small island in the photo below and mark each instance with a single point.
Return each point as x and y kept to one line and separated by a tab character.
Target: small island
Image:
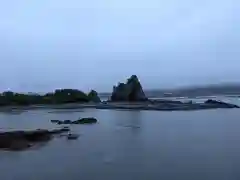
129	95
59	96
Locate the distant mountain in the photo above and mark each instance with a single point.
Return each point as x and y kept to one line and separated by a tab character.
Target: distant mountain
208	90
222	89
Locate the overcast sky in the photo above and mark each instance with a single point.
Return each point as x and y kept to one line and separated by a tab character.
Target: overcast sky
48	44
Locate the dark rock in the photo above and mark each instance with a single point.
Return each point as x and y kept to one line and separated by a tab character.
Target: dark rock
130	91
37	135
71	136
90	120
220	104
20	140
55	121
65	122
93	96
18	146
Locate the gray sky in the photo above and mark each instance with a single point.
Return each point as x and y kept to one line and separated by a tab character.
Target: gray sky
50	44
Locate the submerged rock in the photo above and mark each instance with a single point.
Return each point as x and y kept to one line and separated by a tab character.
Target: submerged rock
89	120
55	121
62	122
220	104
59	131
20	140
71	136
129	91
67	122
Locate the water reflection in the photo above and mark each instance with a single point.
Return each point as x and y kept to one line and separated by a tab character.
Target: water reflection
129	119
66	111
130	145
13	112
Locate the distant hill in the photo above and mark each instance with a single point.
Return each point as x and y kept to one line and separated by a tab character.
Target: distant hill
209	90
196	91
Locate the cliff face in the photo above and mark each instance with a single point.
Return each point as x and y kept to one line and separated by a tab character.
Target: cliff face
93	96
129	91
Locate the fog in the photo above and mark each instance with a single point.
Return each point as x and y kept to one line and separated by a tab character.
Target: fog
94	44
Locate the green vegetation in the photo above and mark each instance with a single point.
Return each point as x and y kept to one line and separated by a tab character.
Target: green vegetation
93	96
59	96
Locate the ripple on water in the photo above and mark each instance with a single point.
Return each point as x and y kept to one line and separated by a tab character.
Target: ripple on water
147	145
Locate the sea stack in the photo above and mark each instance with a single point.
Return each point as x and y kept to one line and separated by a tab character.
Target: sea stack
131	91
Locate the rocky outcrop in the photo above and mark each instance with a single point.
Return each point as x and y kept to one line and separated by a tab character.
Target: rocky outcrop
131	91
55	121
89	120
20	140
220	104
93	96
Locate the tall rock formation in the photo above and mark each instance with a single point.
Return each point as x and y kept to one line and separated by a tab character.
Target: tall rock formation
129	91
93	96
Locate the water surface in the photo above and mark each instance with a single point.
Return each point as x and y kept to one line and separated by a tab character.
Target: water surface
199	145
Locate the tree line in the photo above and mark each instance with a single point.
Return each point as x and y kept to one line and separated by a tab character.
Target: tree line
59	96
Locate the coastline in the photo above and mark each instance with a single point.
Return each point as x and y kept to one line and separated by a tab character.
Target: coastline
125	96
159	106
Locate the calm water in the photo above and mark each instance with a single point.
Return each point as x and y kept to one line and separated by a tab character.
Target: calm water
141	145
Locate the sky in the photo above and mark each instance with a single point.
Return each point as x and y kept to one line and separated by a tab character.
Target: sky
94	44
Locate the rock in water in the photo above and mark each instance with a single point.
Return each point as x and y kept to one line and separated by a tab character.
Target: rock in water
71	136
93	96
89	120
129	91
64	122
55	121
220	104
21	140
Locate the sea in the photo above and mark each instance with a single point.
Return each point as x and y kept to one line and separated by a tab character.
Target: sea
129	145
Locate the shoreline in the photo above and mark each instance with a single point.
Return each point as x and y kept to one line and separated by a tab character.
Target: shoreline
159	106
